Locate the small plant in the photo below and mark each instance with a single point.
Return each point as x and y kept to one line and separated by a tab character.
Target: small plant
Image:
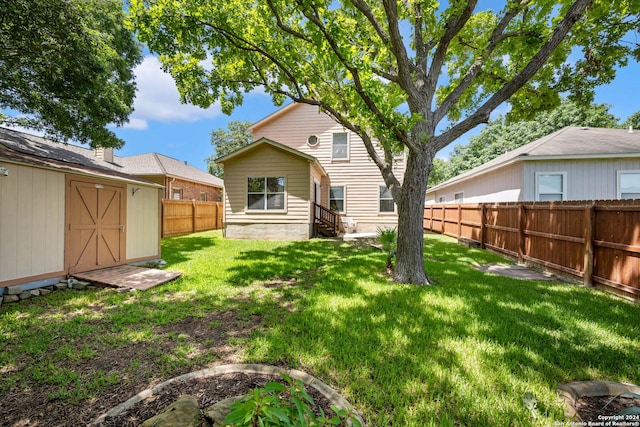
280	405
531	403
388	238
635	410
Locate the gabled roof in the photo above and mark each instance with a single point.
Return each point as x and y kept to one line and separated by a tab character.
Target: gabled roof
567	143
273	116
21	148
277	145
159	164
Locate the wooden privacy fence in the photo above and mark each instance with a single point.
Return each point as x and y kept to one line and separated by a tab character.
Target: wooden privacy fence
597	242
188	216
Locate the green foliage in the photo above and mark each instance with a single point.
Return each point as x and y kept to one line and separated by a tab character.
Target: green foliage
388	238
67	65
503	135
288	406
633	121
226	141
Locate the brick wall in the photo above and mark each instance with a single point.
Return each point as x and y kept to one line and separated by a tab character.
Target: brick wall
191	190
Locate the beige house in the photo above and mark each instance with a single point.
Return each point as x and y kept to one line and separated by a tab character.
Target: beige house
63	213
574	163
304	175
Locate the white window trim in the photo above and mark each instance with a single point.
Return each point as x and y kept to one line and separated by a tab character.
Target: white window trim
623	172
442	199
264	211
341	159
460	201
344	197
379	199
564	183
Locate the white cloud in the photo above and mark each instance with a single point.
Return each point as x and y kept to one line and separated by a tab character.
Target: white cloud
157	98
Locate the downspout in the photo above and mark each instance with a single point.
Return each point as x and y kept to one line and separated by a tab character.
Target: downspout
169	195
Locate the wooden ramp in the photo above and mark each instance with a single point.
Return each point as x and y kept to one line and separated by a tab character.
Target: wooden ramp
129	277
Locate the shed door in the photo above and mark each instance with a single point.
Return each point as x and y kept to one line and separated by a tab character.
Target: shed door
95	231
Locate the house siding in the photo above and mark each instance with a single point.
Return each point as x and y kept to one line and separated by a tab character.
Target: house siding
593	179
32	221
361	176
267	161
143	222
500	185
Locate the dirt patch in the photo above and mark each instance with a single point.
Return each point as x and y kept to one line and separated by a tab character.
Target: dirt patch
593	408
207	391
120	370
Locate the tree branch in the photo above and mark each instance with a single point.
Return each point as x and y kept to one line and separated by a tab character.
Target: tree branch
482	114
284	27
368	13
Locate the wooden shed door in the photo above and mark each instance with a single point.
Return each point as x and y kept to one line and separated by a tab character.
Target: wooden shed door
95	232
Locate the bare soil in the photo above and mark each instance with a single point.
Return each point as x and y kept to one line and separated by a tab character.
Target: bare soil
590	408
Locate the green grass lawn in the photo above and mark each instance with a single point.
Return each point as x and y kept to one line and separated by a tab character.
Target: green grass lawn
461	352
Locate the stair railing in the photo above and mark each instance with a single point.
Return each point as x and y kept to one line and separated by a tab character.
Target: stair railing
326	217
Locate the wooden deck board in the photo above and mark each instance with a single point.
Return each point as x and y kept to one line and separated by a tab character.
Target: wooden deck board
128	276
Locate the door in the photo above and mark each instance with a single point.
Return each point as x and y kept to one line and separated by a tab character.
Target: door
95	225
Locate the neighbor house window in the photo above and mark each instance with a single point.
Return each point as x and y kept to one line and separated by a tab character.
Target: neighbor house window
336	198
442	199
459	197
386	200
265	193
550	186
340	148
176	194
203	197
628	184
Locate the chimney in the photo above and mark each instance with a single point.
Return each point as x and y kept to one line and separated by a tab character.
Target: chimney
105	154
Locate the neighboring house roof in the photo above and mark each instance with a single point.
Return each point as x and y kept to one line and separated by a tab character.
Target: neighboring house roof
267	141
143	164
159	164
570	142
21	148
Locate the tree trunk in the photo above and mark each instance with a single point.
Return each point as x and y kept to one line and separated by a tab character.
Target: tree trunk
410	252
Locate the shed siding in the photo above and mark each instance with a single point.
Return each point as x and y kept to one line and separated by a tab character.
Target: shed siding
500	185
267	161
361	176
143	222
32	221
594	179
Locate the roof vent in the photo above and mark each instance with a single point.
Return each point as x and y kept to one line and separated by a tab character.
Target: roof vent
312	141
630	129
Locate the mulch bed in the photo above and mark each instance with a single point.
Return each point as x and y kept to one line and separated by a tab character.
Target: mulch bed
590	408
207	391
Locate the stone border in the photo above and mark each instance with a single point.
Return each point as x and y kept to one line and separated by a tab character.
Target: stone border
571	392
333	396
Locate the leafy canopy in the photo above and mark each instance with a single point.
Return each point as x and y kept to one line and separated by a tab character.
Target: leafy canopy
225	141
67	65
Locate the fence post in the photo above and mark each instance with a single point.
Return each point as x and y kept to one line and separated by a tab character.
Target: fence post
483	228
521	234
589	230
444	212
431	218
459	221
193	216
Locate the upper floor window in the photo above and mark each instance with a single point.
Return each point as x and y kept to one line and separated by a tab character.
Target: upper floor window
550	186
336	198
176	194
459	197
386	200
340	147
203	196
628	184
442	199
265	193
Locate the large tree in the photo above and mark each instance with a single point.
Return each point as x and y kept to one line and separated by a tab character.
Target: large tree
412	75
502	135
225	141
66	67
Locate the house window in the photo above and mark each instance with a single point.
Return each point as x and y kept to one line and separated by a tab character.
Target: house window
265	193
442	199
340	148
176	194
203	197
628	184
550	186
459	197
336	198
386	200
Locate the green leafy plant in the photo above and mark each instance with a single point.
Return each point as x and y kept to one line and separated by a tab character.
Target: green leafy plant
289	405
635	410
388	238
531	403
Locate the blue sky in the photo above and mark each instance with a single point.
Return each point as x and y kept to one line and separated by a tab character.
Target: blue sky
161	124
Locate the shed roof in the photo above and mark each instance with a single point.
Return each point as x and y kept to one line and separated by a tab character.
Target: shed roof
571	142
